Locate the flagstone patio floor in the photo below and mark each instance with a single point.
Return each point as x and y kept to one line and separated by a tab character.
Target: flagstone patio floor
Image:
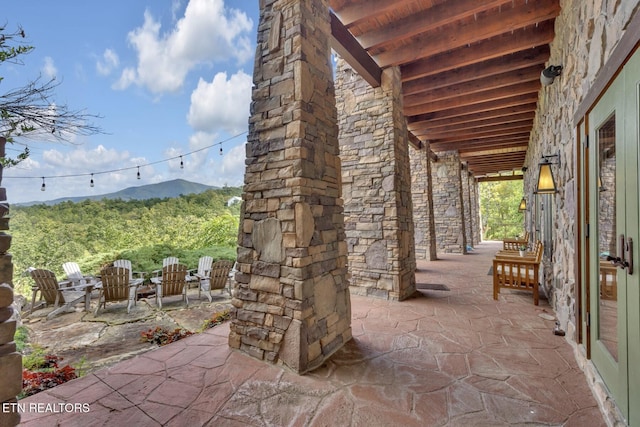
444	358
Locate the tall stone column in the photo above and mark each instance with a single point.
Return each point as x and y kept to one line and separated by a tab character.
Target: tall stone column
10	359
466	202
291	302
448	207
475	210
376	184
422	197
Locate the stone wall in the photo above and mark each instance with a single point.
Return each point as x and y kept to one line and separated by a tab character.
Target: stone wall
376	183
10	359
291	298
475	211
422	196
448	208
586	34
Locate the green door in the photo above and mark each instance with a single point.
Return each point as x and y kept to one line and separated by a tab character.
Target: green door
614	236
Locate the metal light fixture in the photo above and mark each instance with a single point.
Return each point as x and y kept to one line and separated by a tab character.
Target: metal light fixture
523	205
546	182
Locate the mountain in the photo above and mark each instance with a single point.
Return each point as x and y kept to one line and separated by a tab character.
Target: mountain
160	190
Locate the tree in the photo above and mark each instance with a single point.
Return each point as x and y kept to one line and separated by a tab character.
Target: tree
499	203
29	111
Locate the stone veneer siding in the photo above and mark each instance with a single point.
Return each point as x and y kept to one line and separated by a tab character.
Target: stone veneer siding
587	31
475	217
376	183
448	208
10	359
466	202
422	193
291	301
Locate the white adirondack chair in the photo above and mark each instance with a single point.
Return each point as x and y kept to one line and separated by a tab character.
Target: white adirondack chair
74	275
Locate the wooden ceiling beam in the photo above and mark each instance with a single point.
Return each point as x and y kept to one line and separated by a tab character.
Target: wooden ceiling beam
502	141
425	21
350	50
482	70
432	135
500	46
529	74
476	124
495	151
500	178
416	123
502	130
526	88
353	13
470	32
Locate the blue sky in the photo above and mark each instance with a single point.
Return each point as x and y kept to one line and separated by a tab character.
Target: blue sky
167	77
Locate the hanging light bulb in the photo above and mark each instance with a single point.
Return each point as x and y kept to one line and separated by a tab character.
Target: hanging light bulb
91	182
44	186
181	163
138	172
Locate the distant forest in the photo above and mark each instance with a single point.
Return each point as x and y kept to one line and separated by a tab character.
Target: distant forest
95	233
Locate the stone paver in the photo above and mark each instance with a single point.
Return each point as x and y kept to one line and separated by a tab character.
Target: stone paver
443	358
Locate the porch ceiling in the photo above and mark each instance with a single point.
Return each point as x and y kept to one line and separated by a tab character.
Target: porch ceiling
470	68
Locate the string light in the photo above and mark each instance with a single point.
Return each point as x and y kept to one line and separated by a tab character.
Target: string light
91	182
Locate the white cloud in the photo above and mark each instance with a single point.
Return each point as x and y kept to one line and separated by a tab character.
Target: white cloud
207	33
49	68
221	104
108	62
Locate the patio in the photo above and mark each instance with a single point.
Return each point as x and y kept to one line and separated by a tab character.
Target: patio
446	357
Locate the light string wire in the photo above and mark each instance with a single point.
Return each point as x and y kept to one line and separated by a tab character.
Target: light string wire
43	178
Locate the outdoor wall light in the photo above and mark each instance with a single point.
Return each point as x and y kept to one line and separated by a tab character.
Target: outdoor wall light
523	205
548	75
546	183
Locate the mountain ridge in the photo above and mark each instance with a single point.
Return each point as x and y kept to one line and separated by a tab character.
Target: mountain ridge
161	190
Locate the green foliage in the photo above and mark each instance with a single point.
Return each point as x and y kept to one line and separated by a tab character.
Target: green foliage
499	203
95	233
21	337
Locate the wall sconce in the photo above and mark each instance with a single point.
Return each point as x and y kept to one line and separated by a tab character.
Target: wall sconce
548	75
523	205
546	183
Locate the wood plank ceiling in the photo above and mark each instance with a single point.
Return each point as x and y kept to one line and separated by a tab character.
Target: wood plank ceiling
470	68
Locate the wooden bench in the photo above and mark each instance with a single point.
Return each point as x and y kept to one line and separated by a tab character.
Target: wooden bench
516	272
536	253
514	244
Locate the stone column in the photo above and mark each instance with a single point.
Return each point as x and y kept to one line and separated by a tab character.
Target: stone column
376	184
10	359
422	197
291	301
475	211
466	203
448	207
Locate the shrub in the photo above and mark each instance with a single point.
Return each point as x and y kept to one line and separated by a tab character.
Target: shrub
163	336
216	319
45	375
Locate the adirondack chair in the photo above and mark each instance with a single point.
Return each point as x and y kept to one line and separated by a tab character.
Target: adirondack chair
202	272
125	263
172	282
117	285
217	279
74	275
53	292
165	262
